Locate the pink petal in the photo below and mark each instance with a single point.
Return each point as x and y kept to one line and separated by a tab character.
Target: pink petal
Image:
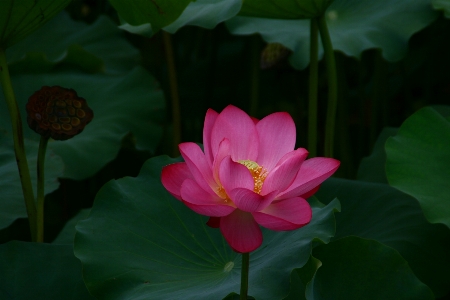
235	175
310	193
282	176
199	167
249	201
276	138
312	173
210	119
173	176
235	125
288	214
224	150
202	202
241	231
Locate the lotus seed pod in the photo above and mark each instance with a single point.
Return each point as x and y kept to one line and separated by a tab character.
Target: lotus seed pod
273	54
57	112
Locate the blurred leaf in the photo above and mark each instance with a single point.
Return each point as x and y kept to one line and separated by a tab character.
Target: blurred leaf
12	205
20	18
443	5
356	268
140	242
203	13
206	14
67	234
354	26
121	104
40	271
284	9
373	167
159	13
63	41
382	213
301	277
418	162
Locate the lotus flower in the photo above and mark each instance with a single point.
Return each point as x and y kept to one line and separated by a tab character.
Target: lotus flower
248	175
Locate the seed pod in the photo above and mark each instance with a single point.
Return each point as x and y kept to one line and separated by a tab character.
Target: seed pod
57	112
273	54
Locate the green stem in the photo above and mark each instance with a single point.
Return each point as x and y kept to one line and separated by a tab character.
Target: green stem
176	115
244	275
332	86
313	86
40	189
19	147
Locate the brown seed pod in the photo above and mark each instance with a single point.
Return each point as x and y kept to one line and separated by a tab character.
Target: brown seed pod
273	54
58	113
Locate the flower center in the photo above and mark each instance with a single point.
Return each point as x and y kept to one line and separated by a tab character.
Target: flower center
258	172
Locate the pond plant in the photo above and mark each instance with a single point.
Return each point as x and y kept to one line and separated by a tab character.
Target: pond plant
226	149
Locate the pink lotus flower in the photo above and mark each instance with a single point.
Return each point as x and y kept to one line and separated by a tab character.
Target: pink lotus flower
248	174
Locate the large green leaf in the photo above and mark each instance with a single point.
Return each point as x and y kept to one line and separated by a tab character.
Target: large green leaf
203	13
284	9
121	104
372	168
40	271
20	18
63	41
159	13
418	162
443	5
67	234
139	242
300	278
12	205
356	268
382	213
354	26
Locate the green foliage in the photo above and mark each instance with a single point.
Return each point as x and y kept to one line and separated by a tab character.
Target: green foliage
65	43
367	269
418	162
11	205
354	26
40	271
159	13
20	18
122	102
443	5
284	9
203	13
140	242
372	168
379	212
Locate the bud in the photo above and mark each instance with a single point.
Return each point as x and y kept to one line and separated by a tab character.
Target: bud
57	112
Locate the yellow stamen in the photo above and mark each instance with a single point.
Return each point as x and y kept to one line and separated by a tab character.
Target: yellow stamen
258	172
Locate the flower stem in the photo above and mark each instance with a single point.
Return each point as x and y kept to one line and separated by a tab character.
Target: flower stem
332	86
313	85
176	115
40	189
19	147
244	275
